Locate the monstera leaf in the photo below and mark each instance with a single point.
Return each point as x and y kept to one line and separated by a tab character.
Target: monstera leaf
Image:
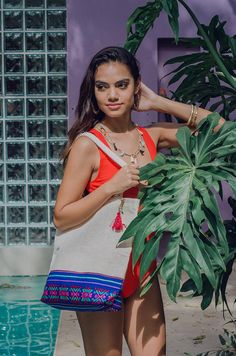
181	199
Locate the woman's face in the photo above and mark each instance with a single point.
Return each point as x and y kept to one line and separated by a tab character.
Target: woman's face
114	89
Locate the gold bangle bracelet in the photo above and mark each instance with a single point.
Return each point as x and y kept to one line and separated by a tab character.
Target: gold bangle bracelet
195	115
191	116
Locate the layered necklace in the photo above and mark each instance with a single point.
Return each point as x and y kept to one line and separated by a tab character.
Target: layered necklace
120	152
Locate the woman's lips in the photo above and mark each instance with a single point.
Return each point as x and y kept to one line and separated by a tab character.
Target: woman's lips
114	106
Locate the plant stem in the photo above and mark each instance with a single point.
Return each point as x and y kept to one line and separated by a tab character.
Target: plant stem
212	50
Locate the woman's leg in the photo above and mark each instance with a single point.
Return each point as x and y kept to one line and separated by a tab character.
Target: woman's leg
102	332
144	323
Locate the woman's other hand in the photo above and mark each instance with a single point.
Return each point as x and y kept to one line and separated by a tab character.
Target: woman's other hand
127	177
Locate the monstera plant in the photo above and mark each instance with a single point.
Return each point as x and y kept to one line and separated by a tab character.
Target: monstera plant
201	79
185	186
181	199
201	72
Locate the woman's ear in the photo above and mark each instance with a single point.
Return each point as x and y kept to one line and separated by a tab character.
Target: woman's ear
137	94
137	86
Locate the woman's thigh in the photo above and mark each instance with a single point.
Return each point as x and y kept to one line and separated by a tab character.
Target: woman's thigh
144	323
102	332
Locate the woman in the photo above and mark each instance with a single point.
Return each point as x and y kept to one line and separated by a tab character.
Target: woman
111	89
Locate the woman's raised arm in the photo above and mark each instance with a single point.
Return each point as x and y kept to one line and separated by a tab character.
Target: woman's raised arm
165	133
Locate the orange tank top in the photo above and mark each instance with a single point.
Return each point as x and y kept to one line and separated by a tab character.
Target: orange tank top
108	167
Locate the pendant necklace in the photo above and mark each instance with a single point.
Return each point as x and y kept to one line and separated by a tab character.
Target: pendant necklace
120	152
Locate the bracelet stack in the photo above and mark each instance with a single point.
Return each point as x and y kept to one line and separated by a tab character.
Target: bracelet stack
193	116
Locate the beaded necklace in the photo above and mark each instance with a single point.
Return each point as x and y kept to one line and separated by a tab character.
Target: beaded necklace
133	156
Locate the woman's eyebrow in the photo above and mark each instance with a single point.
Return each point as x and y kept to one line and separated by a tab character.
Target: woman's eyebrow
123	80
119	81
100	82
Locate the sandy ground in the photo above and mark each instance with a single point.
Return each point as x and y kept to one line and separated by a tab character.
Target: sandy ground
189	329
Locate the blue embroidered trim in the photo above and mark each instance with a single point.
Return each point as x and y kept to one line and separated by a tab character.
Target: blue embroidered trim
82	291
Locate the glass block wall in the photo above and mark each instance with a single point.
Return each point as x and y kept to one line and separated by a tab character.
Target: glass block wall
33	120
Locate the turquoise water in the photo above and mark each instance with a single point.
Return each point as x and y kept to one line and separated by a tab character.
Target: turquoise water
28	327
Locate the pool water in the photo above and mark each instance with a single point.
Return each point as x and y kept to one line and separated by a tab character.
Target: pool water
28	327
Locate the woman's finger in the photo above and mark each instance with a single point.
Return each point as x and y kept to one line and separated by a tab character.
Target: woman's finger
135	177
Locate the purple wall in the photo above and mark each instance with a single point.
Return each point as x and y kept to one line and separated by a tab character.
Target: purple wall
95	24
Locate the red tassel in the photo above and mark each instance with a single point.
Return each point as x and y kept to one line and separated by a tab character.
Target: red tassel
118	225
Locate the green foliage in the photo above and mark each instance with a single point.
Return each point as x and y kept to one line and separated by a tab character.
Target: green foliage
181	194
140	21
213	50
223	276
201	78
181	199
171	7
206	75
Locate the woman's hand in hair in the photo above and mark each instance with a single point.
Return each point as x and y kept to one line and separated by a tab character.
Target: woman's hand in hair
147	98
127	177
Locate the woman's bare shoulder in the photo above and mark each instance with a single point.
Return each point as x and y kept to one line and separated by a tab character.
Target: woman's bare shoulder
83	152
83	145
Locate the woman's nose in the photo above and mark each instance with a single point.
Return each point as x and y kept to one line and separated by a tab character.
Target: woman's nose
112	94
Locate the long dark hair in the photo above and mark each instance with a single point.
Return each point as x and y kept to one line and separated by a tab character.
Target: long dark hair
87	111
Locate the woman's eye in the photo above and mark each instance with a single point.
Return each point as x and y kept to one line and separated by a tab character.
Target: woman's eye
123	85
100	87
